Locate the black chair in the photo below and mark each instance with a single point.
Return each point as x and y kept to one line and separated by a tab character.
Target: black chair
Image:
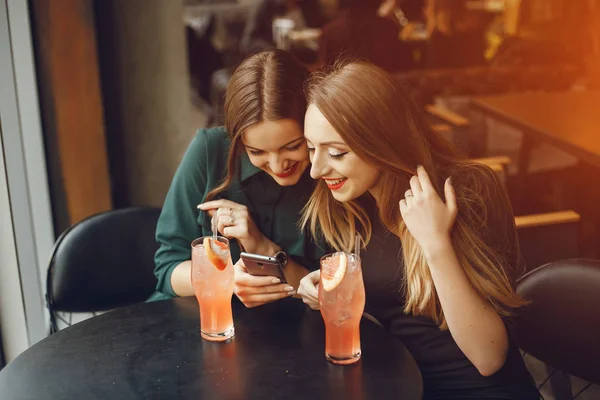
103	262
561	325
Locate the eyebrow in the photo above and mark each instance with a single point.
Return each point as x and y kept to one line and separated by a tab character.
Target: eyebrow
285	145
332	143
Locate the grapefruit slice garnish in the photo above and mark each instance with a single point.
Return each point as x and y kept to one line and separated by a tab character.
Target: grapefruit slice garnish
222	245
212	255
333	273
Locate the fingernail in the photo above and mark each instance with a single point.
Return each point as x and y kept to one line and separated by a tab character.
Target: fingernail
419	166
288	289
450	180
275	280
293	292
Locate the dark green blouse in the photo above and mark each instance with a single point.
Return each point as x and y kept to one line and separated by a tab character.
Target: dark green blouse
275	209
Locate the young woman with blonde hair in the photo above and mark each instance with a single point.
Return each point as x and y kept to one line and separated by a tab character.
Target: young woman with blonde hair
441	249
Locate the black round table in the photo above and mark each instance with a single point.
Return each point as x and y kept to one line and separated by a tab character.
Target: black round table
154	351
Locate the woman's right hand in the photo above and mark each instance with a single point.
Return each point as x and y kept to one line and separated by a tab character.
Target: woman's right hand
234	221
255	291
309	289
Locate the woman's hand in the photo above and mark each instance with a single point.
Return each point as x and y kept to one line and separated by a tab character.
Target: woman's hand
309	289
255	291
233	220
428	219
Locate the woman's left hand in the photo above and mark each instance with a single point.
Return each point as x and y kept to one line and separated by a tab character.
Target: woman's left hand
233	220
428	219
308	289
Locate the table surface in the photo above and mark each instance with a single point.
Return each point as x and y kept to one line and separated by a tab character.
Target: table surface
569	120
154	350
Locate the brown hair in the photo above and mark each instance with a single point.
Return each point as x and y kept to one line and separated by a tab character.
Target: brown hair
370	111
266	86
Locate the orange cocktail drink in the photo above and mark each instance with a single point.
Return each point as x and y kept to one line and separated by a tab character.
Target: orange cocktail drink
212	278
342	302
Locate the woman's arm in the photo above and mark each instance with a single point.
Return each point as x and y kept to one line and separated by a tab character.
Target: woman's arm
474	324
234	221
294	272
181	279
178	223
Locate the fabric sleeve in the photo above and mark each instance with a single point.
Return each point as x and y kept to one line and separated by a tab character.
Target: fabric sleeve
177	225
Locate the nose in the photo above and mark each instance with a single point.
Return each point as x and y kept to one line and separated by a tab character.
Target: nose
276	164
318	166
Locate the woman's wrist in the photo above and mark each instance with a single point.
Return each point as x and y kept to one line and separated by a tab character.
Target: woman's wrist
439	247
264	247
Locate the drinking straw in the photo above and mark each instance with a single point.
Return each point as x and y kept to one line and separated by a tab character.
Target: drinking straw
357	246
213	226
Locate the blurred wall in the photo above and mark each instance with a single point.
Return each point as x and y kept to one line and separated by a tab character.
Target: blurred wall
145	83
64	39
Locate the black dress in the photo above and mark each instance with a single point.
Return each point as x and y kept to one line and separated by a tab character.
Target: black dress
446	371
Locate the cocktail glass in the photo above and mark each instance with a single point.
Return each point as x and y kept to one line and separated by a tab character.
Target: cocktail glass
212	278
342	302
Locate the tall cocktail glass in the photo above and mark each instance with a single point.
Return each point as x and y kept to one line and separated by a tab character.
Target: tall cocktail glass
342	302
212	278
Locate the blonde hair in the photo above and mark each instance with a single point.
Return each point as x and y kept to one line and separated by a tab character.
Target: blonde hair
373	115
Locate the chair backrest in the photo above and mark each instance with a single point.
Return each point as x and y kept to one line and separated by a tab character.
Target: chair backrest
104	262
561	325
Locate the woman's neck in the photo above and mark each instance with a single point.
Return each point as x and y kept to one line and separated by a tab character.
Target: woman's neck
376	192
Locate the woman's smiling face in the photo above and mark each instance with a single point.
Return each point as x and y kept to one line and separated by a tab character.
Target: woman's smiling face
278	148
346	175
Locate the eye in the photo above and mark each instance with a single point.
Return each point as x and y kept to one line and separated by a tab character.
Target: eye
256	152
310	149
294	147
337	156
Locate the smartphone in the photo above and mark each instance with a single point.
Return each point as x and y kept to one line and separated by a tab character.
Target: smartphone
259	265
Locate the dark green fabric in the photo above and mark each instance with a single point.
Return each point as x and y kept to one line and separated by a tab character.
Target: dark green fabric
275	209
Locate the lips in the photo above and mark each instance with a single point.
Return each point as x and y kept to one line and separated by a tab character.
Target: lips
335	184
288	172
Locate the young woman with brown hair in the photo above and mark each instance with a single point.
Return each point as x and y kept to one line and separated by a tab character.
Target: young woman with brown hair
251	176
441	247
